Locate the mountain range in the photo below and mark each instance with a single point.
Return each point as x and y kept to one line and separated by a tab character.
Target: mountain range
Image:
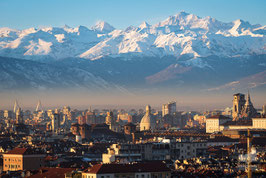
182	51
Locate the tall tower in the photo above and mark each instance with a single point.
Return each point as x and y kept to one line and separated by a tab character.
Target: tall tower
109	118
15	108
55	122
19	116
39	106
238	105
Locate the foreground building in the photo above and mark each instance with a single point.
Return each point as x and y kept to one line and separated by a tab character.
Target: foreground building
164	150
22	159
134	170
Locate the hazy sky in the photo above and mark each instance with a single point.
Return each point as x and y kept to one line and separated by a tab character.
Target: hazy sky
186	100
22	14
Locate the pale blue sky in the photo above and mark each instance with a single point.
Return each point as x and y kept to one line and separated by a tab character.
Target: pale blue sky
22	14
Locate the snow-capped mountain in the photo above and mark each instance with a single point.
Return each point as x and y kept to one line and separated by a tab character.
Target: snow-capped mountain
181	34
182	51
103	27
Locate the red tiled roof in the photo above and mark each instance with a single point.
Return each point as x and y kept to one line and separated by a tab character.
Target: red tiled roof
17	151
218	116
128	168
24	151
52	172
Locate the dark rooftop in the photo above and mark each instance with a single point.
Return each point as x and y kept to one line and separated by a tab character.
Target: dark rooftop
129	168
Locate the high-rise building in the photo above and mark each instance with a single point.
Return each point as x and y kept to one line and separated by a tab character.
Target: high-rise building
169	108
238	105
66	110
55	122
19	116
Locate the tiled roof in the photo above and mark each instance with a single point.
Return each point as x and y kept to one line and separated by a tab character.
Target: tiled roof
238	123
130	124
223	139
218	116
52	172
24	151
17	151
128	168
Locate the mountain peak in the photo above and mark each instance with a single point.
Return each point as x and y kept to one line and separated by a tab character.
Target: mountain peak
144	25
66	26
182	13
103	27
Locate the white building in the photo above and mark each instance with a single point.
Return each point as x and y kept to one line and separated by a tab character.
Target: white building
214	123
169	108
219	123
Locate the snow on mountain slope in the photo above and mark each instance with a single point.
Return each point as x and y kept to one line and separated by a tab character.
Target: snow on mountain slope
181	34
103	27
53	42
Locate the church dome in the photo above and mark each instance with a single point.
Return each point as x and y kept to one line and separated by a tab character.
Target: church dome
147	123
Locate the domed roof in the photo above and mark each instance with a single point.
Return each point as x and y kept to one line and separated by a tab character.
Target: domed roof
147	122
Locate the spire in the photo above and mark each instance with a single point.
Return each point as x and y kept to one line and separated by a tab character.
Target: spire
16	106
39	106
248	102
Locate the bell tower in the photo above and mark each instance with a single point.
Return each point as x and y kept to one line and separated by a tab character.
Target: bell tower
238	104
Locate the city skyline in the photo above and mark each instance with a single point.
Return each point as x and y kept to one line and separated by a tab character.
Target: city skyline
183	103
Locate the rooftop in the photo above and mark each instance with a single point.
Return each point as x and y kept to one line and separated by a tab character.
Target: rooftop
128	168
23	151
219	116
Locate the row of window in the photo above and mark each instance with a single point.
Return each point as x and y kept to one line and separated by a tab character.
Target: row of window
12	166
19	160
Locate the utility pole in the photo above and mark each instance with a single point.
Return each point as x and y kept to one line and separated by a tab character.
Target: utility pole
248	152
